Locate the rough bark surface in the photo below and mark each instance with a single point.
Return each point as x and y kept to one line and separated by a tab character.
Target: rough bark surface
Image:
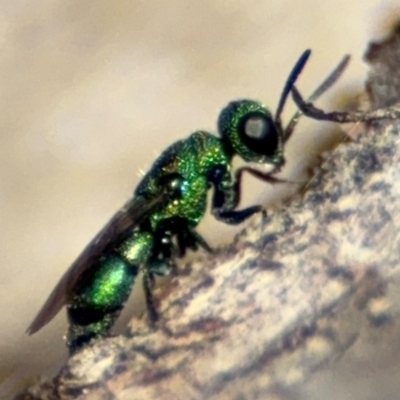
258	318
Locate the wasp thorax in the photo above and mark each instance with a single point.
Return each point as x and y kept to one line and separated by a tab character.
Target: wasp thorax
249	129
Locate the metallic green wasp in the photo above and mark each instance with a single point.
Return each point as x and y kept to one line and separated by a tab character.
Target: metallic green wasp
159	221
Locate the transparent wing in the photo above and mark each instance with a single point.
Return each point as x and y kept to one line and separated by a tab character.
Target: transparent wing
120	226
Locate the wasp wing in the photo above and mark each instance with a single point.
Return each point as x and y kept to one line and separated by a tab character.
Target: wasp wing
121	225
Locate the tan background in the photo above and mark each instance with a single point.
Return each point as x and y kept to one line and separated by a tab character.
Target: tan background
92	91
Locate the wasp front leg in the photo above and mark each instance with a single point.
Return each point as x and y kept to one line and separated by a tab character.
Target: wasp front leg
227	197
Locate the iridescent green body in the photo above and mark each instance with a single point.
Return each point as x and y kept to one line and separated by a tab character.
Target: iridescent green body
193	159
97	300
159	222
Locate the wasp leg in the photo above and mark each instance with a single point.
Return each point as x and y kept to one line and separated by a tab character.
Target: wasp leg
197	239
160	263
342	117
227	197
262	176
236	217
162	267
188	238
148	286
163	252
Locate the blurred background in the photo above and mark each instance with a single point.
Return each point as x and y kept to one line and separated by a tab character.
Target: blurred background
91	92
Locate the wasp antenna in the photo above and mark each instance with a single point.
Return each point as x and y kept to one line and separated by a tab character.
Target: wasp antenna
321	89
330	79
294	74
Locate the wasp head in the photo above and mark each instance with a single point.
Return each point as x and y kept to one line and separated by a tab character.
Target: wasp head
249	130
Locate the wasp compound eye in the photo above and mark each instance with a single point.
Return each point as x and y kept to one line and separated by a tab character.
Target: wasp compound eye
258	133
248	128
255	126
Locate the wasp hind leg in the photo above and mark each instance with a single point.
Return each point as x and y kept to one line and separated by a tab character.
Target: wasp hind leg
159	267
148	287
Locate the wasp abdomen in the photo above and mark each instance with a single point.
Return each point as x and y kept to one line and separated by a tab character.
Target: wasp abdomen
99	298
